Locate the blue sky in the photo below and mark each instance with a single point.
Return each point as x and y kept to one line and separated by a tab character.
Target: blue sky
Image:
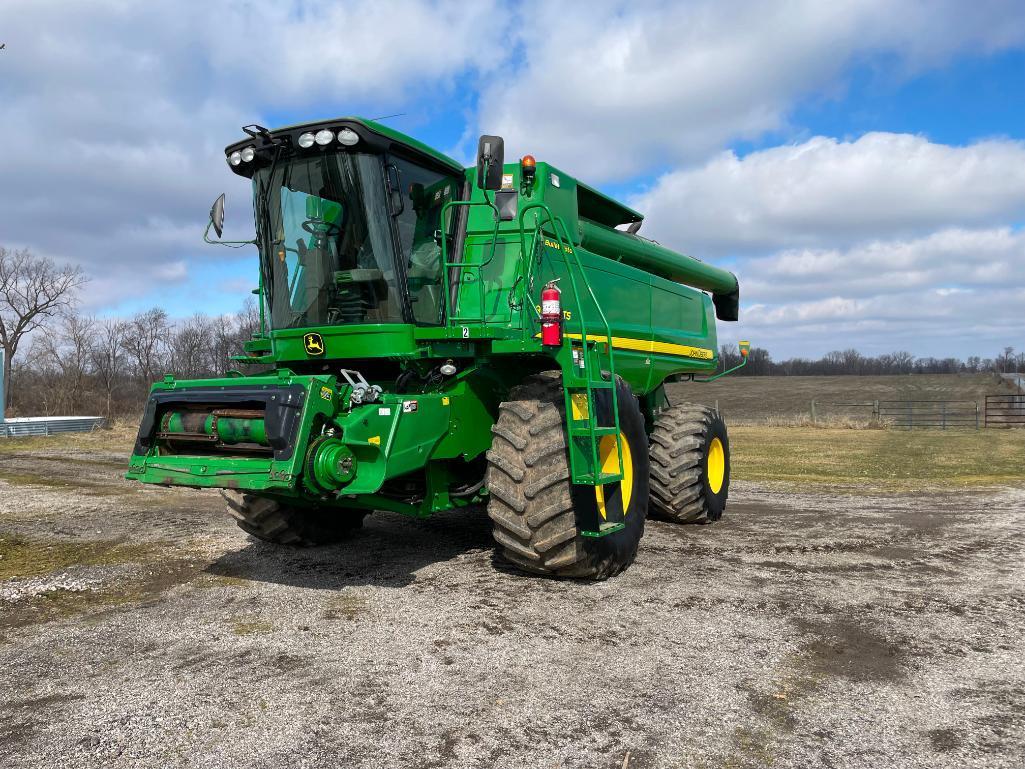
859	164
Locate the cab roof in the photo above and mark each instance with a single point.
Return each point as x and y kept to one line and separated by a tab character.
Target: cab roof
379	136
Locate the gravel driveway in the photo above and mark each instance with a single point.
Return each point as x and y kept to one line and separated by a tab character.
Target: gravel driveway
804	630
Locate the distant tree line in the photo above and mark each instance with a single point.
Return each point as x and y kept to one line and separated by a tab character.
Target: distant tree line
105	366
853	363
62	361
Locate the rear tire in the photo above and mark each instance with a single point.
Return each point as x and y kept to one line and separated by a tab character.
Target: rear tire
534	506
281	524
690	464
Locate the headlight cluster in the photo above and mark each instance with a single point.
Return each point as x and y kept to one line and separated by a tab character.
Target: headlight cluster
345	136
245	155
323	137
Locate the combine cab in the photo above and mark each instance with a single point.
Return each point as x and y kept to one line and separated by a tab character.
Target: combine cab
434	337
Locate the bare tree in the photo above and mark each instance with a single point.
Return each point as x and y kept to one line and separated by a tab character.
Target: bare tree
146	343
32	288
1006	361
66	352
108	357
190	347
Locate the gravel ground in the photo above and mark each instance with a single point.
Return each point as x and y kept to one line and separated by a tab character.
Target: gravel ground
804	630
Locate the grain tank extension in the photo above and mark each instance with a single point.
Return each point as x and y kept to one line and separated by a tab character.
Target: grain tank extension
434	337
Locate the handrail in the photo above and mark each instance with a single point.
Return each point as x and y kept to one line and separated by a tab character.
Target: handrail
446	265
565	246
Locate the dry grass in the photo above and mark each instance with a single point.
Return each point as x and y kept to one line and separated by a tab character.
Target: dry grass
879	459
777	399
118	437
787	448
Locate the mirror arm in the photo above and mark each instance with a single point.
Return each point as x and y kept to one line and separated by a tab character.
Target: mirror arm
228	243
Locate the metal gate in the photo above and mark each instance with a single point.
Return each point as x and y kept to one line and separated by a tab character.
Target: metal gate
1005	411
942	415
939	414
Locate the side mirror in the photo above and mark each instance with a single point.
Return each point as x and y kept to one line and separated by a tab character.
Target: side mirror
217	215
490	162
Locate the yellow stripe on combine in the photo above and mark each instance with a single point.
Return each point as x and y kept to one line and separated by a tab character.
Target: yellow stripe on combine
645	345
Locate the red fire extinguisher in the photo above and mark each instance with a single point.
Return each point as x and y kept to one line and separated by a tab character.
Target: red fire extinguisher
551	315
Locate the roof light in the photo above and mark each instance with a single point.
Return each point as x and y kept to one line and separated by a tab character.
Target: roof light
235	158
306	140
528	166
348	137
248	154
324	137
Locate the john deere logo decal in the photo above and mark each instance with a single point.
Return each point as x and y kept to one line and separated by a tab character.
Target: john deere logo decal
314	344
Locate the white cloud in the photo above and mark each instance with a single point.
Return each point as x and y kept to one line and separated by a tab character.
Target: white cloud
953	292
610	89
830	192
934	322
944	260
888	241
116	113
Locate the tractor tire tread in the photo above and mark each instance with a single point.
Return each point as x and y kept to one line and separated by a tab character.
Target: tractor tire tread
676	451
528	477
282	524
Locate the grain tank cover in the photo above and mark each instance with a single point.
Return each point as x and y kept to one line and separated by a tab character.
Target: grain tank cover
600	208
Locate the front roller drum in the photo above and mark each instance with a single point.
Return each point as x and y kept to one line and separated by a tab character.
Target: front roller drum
537	512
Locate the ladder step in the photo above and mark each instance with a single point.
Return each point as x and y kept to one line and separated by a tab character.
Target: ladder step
604	529
583	432
588	479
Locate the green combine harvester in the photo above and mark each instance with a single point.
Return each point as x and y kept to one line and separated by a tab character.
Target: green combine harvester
434	337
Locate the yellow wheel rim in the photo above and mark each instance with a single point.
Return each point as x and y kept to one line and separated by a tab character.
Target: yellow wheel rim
715	468
608	457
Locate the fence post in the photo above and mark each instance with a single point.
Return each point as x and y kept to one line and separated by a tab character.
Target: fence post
813	419
875	410
976	415
944	418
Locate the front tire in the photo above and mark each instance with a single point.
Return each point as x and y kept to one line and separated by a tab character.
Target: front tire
690	464
534	506
281	524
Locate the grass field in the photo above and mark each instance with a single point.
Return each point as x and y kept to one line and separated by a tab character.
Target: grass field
890	459
877	459
744	399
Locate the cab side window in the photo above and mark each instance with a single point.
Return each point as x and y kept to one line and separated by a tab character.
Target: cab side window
425	192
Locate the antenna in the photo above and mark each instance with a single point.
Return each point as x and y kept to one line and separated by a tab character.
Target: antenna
386	117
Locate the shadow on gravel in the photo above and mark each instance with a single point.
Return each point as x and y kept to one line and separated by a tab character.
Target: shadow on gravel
388	551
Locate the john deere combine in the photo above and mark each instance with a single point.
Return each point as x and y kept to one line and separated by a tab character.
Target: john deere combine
435	337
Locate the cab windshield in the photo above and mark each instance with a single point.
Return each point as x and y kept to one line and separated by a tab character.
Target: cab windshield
330	248
329	255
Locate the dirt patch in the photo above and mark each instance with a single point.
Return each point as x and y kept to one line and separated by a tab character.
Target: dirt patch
346	606
808	628
248	626
133	587
850	649
23	557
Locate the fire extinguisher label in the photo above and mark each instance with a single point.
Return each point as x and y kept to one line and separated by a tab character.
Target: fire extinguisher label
550	307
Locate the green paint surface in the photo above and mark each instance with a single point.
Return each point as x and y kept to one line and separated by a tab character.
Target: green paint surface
627	309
